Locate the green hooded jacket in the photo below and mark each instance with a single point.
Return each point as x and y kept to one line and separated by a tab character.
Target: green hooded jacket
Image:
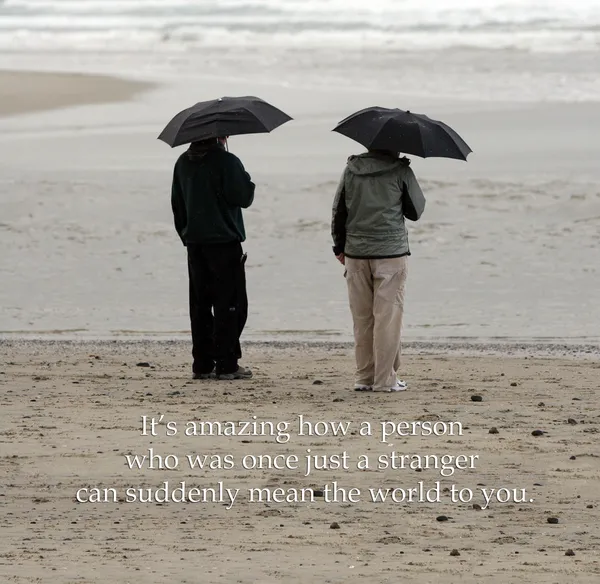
368	219
210	189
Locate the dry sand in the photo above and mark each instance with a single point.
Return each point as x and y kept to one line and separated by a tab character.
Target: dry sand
23	92
70	412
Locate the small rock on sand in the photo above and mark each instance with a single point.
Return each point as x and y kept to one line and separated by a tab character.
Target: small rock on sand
569	553
476	398
441	518
494	431
572	422
538	433
143	364
454	553
553	520
317	382
334	525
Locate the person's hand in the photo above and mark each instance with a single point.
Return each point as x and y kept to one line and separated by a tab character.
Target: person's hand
341	258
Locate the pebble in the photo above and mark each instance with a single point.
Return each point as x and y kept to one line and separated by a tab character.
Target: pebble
590	506
572	422
477	507
442	518
317	382
573	458
553	520
337	400
538	433
318	493
541	405
514	384
569	553
143	364
476	398
334	525
454	553
494	431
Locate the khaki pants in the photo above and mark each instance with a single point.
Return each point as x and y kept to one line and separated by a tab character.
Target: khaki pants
376	294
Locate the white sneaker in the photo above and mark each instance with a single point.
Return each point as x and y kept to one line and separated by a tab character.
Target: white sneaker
400	386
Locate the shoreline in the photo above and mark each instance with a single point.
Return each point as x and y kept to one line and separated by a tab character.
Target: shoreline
25	92
458	347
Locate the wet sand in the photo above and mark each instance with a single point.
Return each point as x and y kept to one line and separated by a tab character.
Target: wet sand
507	247
71	412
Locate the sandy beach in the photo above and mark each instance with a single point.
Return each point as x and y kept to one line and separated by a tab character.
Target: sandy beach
72	412
502	313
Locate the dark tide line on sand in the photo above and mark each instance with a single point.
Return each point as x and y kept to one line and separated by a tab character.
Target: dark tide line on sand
435	347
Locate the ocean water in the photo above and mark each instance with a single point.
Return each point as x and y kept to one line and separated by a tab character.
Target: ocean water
175	25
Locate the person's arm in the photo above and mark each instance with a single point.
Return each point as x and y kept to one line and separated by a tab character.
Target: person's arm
236	185
339	216
413	200
178	206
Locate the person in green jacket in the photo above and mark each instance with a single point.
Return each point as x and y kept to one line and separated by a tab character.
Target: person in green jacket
210	189
376	193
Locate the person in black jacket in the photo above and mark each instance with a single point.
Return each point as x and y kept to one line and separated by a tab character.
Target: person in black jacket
210	189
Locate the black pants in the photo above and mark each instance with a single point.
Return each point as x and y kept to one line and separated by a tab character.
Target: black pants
218	305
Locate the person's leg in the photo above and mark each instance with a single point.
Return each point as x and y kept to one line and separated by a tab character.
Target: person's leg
242	304
201	317
389	284
360	296
226	267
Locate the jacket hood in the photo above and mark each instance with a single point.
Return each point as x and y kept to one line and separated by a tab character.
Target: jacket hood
197	150
373	164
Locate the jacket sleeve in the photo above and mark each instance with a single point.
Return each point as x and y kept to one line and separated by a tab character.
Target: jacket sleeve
237	187
413	200
339	216
178	206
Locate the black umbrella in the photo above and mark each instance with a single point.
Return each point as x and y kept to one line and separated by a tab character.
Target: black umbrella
380	128
226	116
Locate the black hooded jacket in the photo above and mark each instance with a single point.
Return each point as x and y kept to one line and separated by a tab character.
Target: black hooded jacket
210	189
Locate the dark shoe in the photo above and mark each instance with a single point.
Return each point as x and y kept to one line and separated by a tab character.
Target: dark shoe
240	373
210	375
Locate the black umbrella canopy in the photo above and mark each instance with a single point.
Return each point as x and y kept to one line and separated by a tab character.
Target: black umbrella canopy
226	116
379	128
